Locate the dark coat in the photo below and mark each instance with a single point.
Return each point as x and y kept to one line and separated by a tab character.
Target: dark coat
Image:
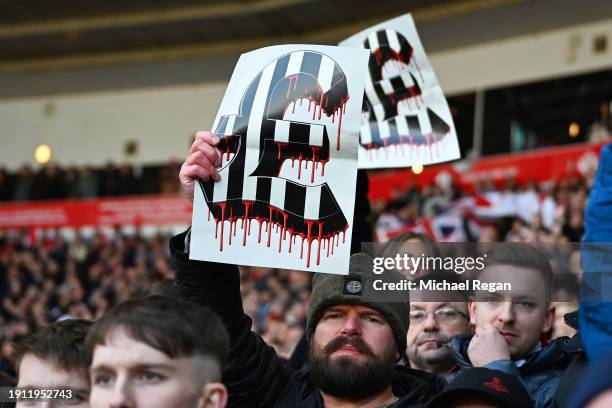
254	375
541	372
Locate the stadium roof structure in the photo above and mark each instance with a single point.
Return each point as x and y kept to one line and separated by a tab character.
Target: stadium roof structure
41	35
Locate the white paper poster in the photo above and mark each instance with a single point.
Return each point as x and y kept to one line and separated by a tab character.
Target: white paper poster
406	120
289	126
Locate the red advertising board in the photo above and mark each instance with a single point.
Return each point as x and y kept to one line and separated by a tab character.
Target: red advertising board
155	210
541	165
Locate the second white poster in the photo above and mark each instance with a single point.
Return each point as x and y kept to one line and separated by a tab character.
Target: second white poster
406	120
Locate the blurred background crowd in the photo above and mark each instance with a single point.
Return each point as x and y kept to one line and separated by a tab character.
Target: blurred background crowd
56	182
53	276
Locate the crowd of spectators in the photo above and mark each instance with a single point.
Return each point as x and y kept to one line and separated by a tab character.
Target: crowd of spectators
52	278
549	213
54	182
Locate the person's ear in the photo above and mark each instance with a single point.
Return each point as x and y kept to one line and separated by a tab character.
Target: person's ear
472	311
215	395
549	319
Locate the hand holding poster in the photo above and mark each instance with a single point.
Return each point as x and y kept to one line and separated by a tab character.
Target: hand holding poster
406	120
289	125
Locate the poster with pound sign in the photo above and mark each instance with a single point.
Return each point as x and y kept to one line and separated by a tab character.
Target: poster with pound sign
289	126
405	119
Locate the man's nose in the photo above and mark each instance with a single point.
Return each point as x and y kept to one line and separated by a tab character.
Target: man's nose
430	323
352	325
122	395
506	313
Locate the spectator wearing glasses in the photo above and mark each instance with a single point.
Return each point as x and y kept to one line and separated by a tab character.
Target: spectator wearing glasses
435	317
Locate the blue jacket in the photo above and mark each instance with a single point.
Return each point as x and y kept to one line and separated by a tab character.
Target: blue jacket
540	373
596	288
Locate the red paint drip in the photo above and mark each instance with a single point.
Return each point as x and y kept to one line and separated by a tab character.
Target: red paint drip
283	230
300	166
222	205
283	233
216	228
247	229
320	102
302	251
309	238
270	226
260	220
319	246
292	79
285	216
340	127
231	224
315	150
281	146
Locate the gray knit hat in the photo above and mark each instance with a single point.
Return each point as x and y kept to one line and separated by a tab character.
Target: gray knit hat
357	287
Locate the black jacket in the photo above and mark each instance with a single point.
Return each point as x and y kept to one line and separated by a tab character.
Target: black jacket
254	376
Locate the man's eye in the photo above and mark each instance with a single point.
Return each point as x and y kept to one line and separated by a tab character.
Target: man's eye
525	305
77	400
372	319
103	379
417	316
151	377
333	316
490	299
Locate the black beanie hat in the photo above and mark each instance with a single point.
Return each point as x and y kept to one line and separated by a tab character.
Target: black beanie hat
357	288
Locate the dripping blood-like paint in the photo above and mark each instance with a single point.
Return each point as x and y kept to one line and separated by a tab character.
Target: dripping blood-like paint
283	225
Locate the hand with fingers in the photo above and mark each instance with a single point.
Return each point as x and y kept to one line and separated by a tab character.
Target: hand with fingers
201	163
487	345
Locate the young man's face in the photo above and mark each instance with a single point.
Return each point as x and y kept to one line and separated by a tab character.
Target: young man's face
353	352
521	315
128	373
432	324
38	373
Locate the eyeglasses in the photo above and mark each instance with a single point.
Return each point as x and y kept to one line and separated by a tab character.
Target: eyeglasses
443	315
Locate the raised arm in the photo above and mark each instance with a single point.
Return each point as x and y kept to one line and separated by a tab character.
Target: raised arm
254	376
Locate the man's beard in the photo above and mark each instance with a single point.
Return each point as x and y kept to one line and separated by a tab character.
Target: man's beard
345	378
